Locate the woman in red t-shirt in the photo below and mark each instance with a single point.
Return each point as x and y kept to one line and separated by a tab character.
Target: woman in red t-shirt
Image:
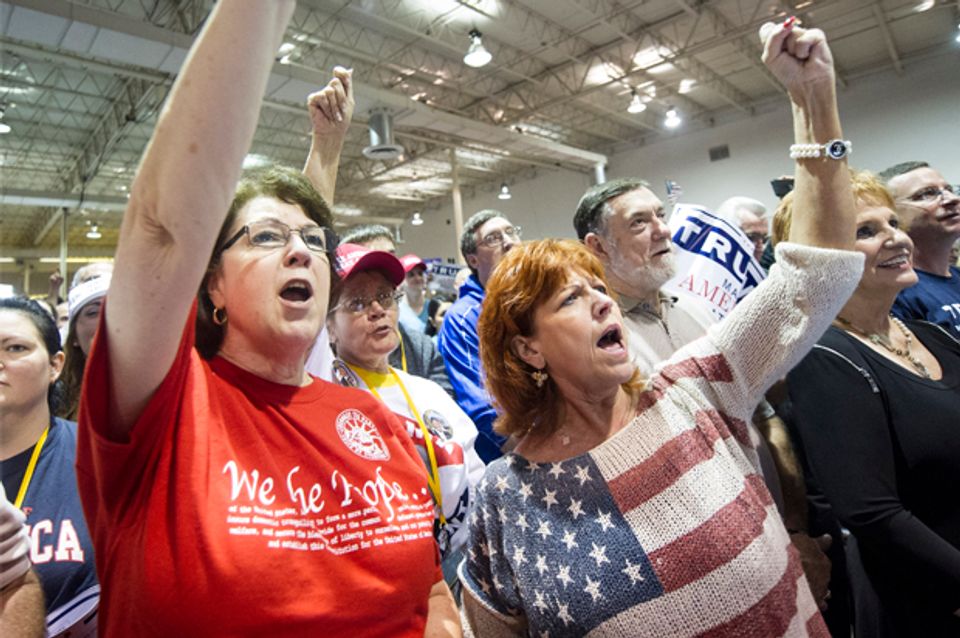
228	491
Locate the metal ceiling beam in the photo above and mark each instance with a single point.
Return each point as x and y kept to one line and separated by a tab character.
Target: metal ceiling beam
131	99
887	37
627	25
421	68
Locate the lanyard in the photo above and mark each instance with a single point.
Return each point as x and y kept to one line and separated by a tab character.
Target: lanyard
31	466
433	478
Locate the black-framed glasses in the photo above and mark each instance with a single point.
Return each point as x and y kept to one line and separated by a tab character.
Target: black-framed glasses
359	305
273	234
930	194
758	238
497	237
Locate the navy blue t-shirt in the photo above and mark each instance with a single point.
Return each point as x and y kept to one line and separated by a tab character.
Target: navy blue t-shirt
935	299
60	547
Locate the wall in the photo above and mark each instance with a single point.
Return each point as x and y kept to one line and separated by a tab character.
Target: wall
888	118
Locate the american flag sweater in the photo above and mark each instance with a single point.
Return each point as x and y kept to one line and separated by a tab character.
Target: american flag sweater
666	528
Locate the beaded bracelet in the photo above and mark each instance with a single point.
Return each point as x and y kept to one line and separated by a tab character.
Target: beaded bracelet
834	149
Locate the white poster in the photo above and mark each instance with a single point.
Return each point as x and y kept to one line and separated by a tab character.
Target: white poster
714	259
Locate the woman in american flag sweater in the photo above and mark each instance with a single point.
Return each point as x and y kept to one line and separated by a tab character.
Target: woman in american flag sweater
633	507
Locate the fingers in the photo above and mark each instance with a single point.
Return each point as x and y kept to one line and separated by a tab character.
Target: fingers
346	79
773	37
325	101
332	100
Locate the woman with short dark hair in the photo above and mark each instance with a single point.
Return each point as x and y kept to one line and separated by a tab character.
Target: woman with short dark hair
229	491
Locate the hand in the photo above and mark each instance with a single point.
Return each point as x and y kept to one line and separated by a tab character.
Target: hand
798	57
56	280
14	542
816	565
331	108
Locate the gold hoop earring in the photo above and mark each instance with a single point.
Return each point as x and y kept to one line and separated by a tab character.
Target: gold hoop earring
219	316
539	377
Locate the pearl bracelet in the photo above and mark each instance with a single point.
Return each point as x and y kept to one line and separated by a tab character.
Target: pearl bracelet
834	149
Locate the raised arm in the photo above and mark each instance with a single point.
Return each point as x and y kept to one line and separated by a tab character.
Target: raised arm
181	194
331	111
801	60
808	287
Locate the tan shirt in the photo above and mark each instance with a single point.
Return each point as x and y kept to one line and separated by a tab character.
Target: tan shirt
653	337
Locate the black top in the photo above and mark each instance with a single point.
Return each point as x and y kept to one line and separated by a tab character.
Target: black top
884	445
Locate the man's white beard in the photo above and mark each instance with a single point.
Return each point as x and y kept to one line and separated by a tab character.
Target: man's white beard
646	279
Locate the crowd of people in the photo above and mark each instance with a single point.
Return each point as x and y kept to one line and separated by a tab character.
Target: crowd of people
249	425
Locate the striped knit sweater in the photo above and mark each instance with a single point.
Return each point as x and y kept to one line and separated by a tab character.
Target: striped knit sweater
666	528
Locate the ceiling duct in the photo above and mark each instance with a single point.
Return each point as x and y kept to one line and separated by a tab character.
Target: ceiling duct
382	146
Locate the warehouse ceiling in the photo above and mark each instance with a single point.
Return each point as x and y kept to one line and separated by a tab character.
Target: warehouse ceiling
82	82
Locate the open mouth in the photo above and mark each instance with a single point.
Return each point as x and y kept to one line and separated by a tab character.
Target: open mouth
382	331
612	337
296	291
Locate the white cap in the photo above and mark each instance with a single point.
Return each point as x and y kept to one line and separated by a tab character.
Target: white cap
88	291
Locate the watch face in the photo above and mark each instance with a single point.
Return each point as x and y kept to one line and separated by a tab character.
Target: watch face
837	149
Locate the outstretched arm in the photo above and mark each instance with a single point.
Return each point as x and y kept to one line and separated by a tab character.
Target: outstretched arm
801	60
331	111
181	194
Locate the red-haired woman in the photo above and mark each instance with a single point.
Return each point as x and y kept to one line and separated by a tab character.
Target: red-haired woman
629	509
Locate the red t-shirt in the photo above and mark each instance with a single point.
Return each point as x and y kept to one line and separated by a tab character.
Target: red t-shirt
243	507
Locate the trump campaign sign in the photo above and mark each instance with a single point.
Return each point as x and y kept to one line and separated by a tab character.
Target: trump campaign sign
714	259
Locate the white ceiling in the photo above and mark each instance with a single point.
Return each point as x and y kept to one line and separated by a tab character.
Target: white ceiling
82	83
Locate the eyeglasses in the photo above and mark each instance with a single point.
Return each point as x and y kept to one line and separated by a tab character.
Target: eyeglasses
359	305
930	194
274	234
758	238
497	237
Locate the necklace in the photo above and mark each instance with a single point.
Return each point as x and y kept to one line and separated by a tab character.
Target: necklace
883	341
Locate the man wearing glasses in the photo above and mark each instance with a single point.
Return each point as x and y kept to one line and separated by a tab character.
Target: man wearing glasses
486	238
930	211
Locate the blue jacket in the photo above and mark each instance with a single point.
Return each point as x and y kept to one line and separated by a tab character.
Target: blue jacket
459	346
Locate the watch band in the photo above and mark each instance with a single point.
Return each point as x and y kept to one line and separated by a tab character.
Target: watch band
834	149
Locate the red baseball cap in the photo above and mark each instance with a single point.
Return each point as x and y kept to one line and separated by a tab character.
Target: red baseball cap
353	258
411	261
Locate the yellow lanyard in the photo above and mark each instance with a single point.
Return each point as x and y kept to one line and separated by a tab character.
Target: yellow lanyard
31	466
433	478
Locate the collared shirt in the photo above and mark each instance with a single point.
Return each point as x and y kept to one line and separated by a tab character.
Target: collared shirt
654	334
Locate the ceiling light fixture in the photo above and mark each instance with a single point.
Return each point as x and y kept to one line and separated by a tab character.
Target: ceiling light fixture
925	5
4	127
686	85
417	220
477	55
285	52
94	232
673	119
504	192
636	104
